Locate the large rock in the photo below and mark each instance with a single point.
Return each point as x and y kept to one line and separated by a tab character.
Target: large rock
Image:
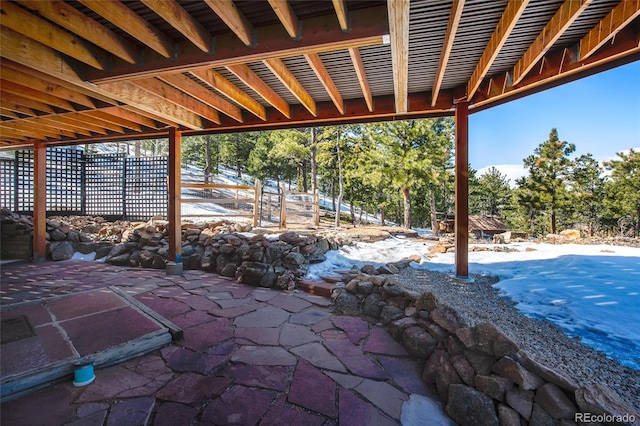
494	386
467	406
418	342
555	402
520	400
62	250
255	273
512	370
347	303
373	305
600	399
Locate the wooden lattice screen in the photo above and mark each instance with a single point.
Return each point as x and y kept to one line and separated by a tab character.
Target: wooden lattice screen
7	183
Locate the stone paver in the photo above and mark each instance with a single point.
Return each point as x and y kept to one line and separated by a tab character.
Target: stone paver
249	356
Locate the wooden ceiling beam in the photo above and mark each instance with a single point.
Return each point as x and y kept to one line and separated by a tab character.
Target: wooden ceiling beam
114	120
233	18
178	98
11	106
179	19
621	16
21	134
40	132
194	89
25	102
130	117
447	46
75	119
124	18
287	17
505	26
248	77
315	62
341	12
362	77
33	94
54	121
99	122
27	24
89	29
9	134
286	77
321	34
8	113
399	32
559	23
162	120
230	90
18	77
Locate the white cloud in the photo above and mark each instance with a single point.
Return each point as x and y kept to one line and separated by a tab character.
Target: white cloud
512	171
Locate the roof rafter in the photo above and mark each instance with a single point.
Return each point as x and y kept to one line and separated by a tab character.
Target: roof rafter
230	90
341	12
77	120
73	20
25	102
190	87
8	113
447	45
54	121
362	77
235	20
287	17
248	77
621	15
29	93
399	32
25	23
318	67
507	23
130	116
124	18
11	106
102	115
559	23
286	77
179	19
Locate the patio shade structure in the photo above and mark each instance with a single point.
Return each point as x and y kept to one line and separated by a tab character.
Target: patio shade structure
88	71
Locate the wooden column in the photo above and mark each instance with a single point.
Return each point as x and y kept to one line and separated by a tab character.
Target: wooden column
39	201
175	177
462	189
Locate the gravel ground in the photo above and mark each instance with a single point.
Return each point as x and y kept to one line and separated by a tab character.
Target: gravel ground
479	302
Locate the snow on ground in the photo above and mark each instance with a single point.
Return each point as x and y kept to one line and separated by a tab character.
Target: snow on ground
590	291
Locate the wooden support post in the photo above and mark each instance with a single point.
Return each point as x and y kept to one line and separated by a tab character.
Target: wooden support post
175	177
283	206
256	203
316	208
39	201
462	189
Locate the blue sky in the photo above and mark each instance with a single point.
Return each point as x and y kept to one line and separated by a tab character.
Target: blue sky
599	114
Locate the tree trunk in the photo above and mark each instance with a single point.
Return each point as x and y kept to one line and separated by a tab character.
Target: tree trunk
340	181
406	196
434	215
382	216
138	149
352	210
314	166
207	159
553	221
333	195
238	161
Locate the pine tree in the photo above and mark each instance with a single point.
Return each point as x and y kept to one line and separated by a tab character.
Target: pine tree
623	190
549	171
493	191
587	190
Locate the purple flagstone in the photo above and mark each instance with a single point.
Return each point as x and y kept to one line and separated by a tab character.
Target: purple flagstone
296	335
313	390
280	414
263	355
407	374
185	360
319	356
356	412
47	407
90	408
191	388
174	414
266	377
309	317
95	419
206	335
260	336
111	382
237	311
383	396
238	405
289	302
198	303
380	342
354	359
356	328
268	316
192	318
135	411
168	308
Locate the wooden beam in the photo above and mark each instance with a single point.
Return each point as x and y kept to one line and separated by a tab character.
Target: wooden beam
194	89
505	26
447	46
462	189
177	97
318	67
25	102
29	93
287	17
128	21
20	133
619	17
11	106
39	201
130	116
18	77
248	77
50	120
235	20
105	124
286	77
37	125
559	23
341	13
399	32
25	23
175	228
115	120
230	90
8	113
321	34
41	133
179	19
77	119
164	121
68	17
152	103
362	77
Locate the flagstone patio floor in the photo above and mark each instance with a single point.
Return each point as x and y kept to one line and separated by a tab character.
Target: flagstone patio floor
249	356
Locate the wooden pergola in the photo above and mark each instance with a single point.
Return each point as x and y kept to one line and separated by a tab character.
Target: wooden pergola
87	71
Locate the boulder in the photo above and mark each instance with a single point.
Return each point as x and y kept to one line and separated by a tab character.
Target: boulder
512	370
62	250
572	234
467	406
553	400
418	342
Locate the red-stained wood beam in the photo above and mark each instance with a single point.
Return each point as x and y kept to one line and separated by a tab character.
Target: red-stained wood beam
462	189
621	15
39	201
175	177
447	46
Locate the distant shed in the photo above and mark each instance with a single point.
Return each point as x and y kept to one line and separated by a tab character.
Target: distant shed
485	225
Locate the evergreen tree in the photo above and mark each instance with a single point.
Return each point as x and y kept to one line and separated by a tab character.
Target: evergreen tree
549	172
493	192
587	190
623	190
